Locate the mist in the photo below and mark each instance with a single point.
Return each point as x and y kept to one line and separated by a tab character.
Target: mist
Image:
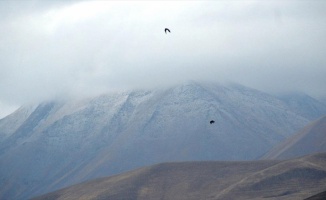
81	48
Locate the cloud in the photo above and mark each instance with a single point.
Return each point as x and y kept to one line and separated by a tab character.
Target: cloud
75	48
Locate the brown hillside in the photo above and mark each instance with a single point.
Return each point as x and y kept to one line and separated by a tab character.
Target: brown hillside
289	179
311	139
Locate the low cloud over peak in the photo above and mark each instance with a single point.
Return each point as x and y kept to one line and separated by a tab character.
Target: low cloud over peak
51	49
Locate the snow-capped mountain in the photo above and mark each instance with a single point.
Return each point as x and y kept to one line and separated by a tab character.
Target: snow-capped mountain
59	143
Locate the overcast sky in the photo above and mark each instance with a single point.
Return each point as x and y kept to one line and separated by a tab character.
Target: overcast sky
50	49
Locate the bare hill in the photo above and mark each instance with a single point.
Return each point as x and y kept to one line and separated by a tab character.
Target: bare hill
310	139
288	179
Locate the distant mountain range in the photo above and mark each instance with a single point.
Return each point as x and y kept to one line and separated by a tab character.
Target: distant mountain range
56	144
310	139
219	180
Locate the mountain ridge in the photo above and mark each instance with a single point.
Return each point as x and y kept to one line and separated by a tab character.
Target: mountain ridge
297	178
83	139
310	139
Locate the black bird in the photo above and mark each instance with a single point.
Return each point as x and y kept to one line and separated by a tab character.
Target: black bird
212	122
166	29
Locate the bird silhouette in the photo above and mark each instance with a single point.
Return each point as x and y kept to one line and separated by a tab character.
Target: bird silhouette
212	122
166	30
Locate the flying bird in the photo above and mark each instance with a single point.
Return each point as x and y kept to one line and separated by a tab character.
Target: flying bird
166	30
212	122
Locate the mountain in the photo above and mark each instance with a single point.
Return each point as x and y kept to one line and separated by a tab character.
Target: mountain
60	143
289	179
11	123
310	139
304	105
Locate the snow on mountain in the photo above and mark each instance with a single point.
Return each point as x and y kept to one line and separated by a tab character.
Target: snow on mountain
11	123
304	105
57	144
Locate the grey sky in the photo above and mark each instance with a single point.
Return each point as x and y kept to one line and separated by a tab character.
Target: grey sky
51	49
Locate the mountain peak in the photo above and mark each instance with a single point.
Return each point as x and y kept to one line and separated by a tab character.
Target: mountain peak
108	134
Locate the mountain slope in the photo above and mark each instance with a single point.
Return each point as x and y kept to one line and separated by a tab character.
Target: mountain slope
290	179
310	139
10	124
319	196
304	105
61	143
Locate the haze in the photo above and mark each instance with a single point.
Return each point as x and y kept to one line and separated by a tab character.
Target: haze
77	48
